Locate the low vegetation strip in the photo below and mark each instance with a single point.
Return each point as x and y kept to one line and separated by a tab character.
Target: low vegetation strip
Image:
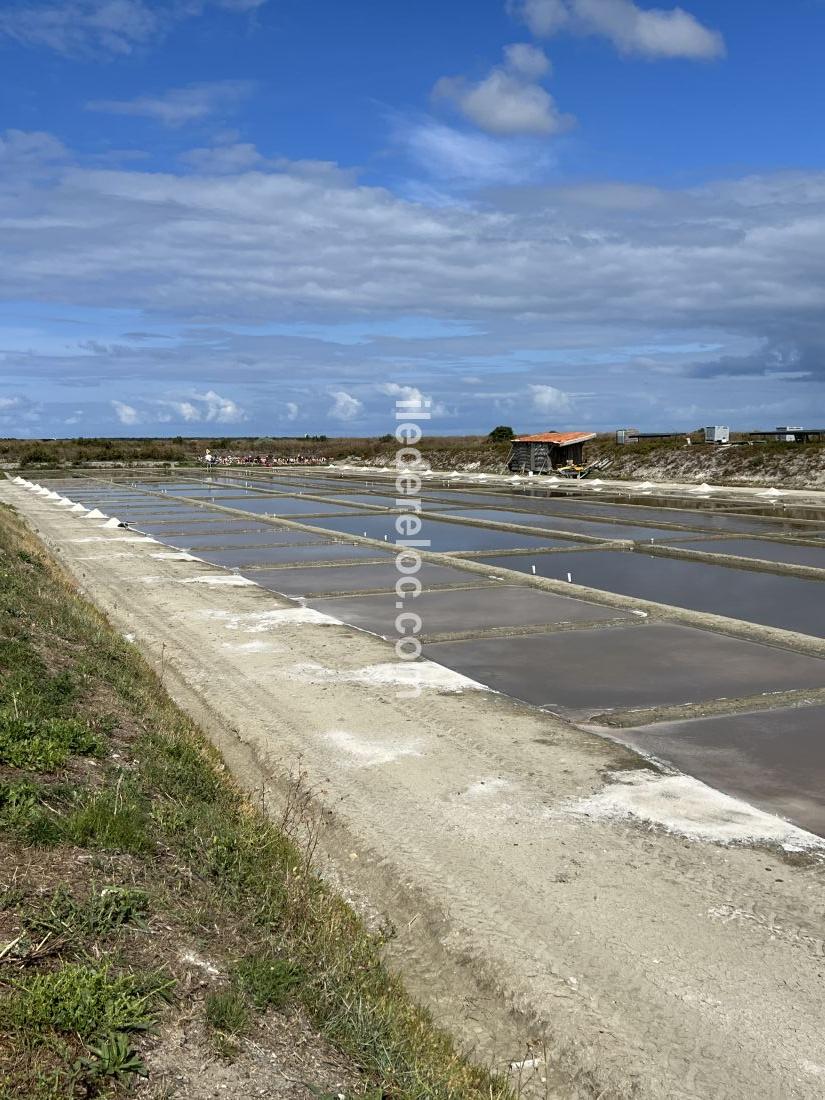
150	915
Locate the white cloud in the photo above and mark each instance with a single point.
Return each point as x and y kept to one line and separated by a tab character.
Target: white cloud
292	410
543	17
414	396
650	32
222	160
103	28
16	412
177	106
126	414
727	266
344	406
86	26
654	32
529	60
548	399
472	160
221	409
208	407
196	408
508	100
30	153
184	410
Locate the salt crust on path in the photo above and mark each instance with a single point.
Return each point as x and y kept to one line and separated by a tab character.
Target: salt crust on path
230	581
257	622
252	647
685	806
365	752
114	538
424	674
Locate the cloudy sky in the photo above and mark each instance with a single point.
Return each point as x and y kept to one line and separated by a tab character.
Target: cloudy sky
275	216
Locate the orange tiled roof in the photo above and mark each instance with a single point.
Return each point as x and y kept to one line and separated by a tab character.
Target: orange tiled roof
560	438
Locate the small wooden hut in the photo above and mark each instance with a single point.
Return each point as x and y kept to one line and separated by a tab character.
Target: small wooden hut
540	454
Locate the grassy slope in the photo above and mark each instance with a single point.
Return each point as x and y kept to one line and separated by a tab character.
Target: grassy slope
122	842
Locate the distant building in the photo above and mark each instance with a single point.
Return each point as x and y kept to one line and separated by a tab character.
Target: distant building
547	451
633	435
785	432
717	433
790	433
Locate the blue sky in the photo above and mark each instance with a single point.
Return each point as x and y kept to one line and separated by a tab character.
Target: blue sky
274	217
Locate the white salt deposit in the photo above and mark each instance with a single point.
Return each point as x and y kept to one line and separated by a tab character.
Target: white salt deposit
177	555
488	787
78	508
113	522
424	674
366	751
251	647
227	580
684	806
64	502
108	556
258	622
95	514
192	959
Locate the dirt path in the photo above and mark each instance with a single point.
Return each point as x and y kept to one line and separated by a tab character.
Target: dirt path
650	964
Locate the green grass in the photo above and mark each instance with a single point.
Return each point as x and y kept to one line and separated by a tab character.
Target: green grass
68	1030
268	981
114	819
25	815
44	745
214	866
89	1001
108	908
227	1012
